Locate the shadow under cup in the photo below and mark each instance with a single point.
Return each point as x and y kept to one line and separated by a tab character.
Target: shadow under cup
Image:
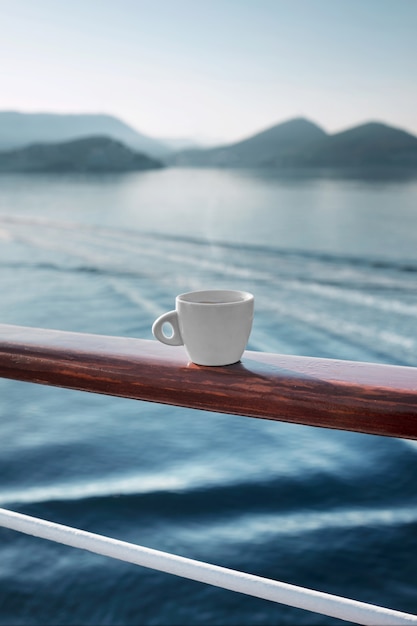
213	325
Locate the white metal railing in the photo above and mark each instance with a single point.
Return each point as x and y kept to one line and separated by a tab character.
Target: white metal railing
318	602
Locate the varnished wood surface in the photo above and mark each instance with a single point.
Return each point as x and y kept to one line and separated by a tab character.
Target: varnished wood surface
362	397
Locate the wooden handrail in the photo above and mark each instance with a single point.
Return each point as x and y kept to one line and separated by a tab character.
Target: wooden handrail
362	397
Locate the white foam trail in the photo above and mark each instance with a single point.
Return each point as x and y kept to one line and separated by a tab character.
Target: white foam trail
136	297
359	298
185	478
253	526
127	485
119	246
339	326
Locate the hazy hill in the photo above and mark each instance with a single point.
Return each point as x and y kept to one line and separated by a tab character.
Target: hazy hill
91	154
300	143
373	143
21	129
282	141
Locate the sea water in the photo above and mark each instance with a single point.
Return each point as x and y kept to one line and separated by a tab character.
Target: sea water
331	258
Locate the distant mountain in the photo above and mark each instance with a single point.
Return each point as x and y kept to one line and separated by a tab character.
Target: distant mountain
21	129
91	154
373	143
279	142
301	143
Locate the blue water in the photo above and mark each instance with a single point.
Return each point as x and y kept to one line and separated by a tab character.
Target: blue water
332	261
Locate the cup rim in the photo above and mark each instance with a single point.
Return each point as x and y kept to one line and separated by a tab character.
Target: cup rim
238	297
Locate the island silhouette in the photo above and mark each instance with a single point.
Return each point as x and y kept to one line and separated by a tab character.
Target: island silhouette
78	142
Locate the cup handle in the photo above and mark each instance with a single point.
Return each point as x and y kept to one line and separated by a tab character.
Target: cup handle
168	318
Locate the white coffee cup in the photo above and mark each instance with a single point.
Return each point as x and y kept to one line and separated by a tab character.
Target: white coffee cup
214	325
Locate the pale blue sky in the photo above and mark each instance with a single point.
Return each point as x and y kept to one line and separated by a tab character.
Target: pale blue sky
216	69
